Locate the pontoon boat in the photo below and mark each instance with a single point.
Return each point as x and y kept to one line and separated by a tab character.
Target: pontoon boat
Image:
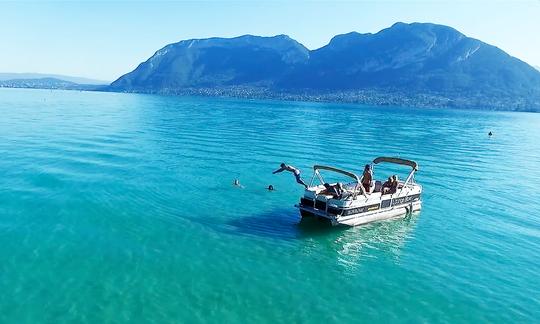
354	206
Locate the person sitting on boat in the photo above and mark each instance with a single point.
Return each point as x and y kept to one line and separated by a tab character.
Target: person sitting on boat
335	191
295	171
343	192
394	187
367	178
387	185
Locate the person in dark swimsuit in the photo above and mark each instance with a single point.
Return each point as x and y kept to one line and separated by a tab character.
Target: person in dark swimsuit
387	185
394	186
335	191
367	177
295	171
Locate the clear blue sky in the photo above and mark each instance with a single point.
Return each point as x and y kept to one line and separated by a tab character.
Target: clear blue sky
104	40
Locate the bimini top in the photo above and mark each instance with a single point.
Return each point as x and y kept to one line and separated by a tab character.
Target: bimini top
410	163
347	173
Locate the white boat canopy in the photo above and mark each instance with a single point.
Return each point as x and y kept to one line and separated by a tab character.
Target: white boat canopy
394	160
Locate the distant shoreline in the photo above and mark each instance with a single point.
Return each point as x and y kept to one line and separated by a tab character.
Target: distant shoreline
372	97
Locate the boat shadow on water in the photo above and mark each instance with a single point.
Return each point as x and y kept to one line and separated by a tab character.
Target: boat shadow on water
279	224
285	224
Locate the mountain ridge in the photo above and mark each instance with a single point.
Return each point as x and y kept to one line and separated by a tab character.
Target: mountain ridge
48	83
5	76
415	60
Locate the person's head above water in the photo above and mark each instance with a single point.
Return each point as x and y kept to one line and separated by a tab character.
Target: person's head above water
270	187
236	182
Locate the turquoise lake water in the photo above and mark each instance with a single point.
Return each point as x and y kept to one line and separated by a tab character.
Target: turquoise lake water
119	208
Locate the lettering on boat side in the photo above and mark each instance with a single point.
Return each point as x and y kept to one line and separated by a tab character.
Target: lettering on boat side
384	204
359	210
405	200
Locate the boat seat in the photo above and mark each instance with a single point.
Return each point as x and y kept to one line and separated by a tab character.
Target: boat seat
328	197
325	196
378	186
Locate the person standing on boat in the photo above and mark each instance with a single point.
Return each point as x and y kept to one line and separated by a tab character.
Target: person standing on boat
295	171
367	177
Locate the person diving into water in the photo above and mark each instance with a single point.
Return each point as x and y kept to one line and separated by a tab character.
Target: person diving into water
295	171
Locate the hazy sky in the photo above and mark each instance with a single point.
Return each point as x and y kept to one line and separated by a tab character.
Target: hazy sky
103	39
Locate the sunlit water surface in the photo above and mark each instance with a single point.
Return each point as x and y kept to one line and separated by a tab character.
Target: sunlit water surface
120	208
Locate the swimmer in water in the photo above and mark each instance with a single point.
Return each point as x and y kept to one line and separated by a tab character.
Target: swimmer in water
236	183
270	188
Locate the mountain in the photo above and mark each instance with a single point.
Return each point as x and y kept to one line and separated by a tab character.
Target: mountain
415	64
79	80
213	62
414	57
47	83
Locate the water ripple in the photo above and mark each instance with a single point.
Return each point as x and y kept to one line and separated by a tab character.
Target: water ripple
119	207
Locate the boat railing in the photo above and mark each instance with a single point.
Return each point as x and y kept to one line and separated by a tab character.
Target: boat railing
354	191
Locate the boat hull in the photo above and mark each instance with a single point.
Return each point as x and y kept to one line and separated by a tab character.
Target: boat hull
365	213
